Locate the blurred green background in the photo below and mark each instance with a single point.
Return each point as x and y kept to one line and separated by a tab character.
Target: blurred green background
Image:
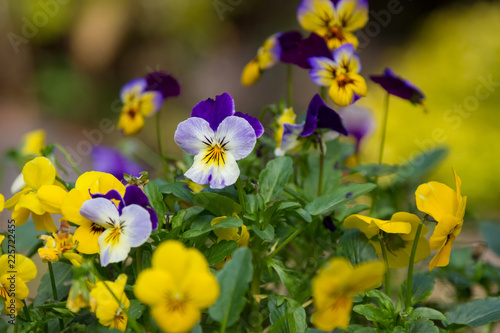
62	64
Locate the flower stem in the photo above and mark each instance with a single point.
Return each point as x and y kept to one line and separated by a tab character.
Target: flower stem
322	93
387	272
26	311
139	260
409	279
68	158
54	291
241	197
321	165
158	135
287	240
384	129
289	91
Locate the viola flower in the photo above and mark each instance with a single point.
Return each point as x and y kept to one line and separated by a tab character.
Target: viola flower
267	56
24	271
88	232
335	287
218	137
334	20
143	97
106	308
55	245
177	286
358	121
41	195
111	160
340	73
287	117
447	207
33	142
240	235
399	236
399	87
124	227
319	116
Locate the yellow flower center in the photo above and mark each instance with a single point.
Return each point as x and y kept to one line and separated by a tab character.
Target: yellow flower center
119	319
335	33
176	302
215	152
96	229
114	236
344	80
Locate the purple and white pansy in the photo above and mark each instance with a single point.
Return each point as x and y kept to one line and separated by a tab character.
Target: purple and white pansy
126	225
217	136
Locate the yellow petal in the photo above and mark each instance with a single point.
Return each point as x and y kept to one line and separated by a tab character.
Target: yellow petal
105	183
442	257
342	96
19	288
87	236
436	199
335	316
20	215
202	288
30	201
316	14
394	227
130	122
351	15
2	202
24	267
153	285
358	84
331	280
33	142
12	202
173	319
51	197
245	236
251	73
48	254
366	224
75	258
39	171
148	103
443	228
44	222
366	276
71	204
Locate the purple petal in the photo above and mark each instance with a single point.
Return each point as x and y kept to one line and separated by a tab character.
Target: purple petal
154	217
398	86
136	225
193	134
112	194
313	46
135	196
135	86
214	111
289	42
254	122
101	211
319	115
289	139
358	121
110	160
237	136
312	116
165	84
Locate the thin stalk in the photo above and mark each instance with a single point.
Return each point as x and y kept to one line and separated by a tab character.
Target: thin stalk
384	129
289	91
158	135
68	158
387	272
26	311
287	240
241	197
322	92
54	291
131	320
409	279
255	290
139	259
321	165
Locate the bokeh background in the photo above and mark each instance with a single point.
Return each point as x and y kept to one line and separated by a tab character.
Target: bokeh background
62	64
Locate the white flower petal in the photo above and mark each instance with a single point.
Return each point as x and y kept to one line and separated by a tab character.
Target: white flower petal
135	224
101	211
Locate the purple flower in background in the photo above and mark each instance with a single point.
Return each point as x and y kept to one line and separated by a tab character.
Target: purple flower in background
399	87
134	195
217	136
319	116
110	160
358	121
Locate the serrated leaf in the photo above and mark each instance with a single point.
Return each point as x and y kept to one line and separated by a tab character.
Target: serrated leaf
230	222
218	252
286	315
274	177
326	203
422	287
217	204
156	200
428	313
477	313
234	281
355	246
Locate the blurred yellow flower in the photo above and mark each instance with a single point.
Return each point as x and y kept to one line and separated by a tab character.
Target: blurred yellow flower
106	308
288	116
447	207
13	278
398	244
336	285
41	196
33	142
241	237
59	244
177	289
267	56
88	232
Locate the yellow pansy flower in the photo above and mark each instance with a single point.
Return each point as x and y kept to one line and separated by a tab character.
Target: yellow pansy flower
335	286
13	278
400	235
241	237
2	203
447	207
33	142
41	196
267	56
177	287
288	116
105	306
58	244
88	232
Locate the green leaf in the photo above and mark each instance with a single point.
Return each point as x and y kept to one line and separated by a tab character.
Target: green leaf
375	314
2	303
234	281
384	301
292	280
372	170
491	233
420	325
267	234
286	315
156	200
62	277
230	222
355	246
477	313
326	203
422	287
360	329
136	309
416	168
218	252
274	177
428	313
217	204
179	190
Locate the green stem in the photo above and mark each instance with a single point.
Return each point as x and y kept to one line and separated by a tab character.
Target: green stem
255	290
131	320
54	291
387	272
321	165
139	260
158	135
68	158
289	91
287	240
322	93
384	129
26	311
241	198
409	279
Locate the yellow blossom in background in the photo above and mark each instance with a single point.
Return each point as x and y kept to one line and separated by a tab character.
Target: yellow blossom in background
335	286
240	236
2	203
41	196
106	308
196	188
88	232
398	244
267	56
24	271
177	287
33	142
58	244
447	207
288	116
